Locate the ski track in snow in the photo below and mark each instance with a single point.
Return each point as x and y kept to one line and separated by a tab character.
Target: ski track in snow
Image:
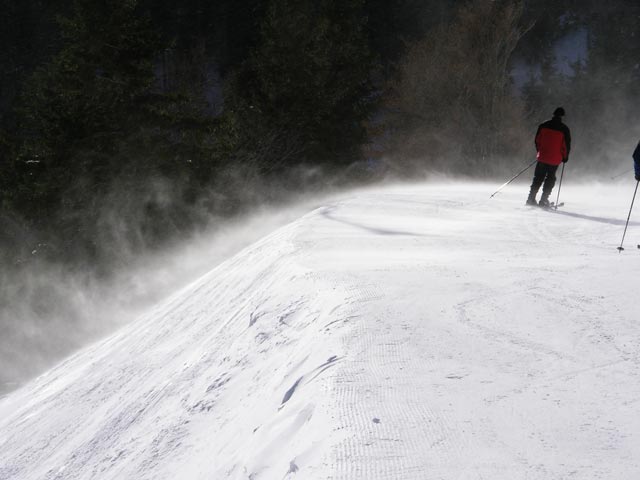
418	332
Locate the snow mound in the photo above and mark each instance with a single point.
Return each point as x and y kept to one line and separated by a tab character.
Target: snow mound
406	333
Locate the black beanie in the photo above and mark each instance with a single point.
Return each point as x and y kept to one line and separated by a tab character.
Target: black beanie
558	112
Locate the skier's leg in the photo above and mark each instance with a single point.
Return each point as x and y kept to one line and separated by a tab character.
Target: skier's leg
549	182
538	178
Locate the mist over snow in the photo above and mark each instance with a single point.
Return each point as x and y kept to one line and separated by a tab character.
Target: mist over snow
48	311
409	332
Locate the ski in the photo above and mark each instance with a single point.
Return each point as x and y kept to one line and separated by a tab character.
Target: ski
553	206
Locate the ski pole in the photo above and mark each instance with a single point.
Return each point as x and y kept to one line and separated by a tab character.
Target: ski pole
559	186
620	174
507	183
620	248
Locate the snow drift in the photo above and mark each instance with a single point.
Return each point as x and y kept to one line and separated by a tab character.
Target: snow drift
406	333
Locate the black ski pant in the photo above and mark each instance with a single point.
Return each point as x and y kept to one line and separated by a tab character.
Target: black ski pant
544	174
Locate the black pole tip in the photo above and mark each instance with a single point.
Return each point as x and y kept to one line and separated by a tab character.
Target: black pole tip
621	249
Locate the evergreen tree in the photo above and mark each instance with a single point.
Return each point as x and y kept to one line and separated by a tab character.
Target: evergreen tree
94	119
306	86
75	107
604	90
392	24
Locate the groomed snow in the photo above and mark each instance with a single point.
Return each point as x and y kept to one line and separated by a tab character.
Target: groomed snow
421	332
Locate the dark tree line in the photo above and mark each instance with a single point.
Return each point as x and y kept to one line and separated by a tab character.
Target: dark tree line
601	91
126	122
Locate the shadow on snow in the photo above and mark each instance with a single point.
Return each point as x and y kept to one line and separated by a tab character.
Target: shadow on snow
610	221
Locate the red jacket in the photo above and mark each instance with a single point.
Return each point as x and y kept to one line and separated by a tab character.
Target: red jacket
553	142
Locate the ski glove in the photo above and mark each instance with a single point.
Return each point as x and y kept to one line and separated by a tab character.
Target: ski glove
565	160
638	177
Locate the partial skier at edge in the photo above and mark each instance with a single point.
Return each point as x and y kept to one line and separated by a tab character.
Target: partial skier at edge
636	162
553	144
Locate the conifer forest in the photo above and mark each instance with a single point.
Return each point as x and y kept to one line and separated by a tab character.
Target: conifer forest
125	124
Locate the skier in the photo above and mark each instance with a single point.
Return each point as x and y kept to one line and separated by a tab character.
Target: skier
636	162
553	144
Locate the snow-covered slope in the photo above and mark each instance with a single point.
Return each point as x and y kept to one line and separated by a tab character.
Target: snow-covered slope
407	333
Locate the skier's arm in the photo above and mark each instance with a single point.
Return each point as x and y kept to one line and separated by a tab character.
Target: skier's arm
536	139
636	161
567	141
